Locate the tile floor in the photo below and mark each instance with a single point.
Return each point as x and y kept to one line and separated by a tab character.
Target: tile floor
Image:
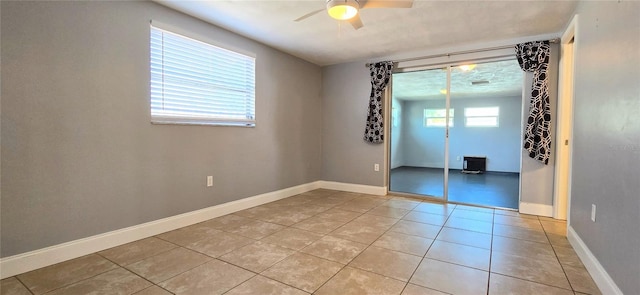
331	242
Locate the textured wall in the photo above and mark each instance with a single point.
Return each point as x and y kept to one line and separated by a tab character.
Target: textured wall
79	154
606	137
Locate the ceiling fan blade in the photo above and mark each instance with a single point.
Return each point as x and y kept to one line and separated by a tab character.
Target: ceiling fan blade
356	22
388	4
308	15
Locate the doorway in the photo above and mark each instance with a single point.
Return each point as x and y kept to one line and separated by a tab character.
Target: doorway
456	133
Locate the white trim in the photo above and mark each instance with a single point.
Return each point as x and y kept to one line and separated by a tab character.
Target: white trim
28	261
536	209
354	188
598	273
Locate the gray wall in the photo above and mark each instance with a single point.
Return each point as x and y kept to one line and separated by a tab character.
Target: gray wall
536	179
79	154
424	146
346	157
606	144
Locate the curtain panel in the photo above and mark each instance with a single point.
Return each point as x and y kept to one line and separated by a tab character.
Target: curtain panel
380	77
534	57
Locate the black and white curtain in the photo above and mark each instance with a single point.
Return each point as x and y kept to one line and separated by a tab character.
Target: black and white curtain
534	57
380	76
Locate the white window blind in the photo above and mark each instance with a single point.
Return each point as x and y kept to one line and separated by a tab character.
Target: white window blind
437	117
193	82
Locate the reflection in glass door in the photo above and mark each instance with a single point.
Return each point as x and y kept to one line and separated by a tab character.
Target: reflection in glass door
419	126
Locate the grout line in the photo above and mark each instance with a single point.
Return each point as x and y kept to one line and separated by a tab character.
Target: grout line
23	284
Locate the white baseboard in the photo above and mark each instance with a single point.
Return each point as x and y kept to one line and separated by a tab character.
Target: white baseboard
598	273
536	209
354	188
32	260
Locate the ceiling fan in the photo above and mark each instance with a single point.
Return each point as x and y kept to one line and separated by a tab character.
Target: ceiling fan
349	9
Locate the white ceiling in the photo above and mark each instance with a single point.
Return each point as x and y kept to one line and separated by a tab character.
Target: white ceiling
504	79
387	31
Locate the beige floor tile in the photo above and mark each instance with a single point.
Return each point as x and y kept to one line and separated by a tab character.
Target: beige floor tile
11	286
435	208
450	278
559	240
465	237
292	238
555	227
474	208
375	220
168	264
568	257
503	285
470	224
545	271
65	273
358	232
227	221
389	263
416	228
460	254
285	217
430	218
517	221
475	215
340	215
117	282
401	203
136	251
412	289
303	271
256	229
153	290
581	280
361	205
532	250
335	249
264	286
521	233
214	277
256	211
257	256
319	224
219	244
413	245
545	218
187	235
388	212
351	281
515	214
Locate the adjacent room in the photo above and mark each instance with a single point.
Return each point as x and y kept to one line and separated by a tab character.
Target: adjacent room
319	147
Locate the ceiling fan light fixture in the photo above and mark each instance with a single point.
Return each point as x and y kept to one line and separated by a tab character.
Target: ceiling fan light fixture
342	9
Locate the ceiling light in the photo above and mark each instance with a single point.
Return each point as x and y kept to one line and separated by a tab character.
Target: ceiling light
466	68
342	9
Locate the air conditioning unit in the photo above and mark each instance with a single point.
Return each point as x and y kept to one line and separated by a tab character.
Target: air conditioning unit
474	165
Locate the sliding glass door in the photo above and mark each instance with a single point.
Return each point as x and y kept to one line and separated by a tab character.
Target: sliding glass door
455	133
419	125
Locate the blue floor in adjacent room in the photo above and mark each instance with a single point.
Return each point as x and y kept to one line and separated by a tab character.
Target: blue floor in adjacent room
494	189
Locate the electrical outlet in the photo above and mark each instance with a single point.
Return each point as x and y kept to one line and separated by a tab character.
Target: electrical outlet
209	180
458	158
593	212
376	167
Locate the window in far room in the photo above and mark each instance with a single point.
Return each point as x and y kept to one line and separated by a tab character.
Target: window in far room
193	82
437	117
481	117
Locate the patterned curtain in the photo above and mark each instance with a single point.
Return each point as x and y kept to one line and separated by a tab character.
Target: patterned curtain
380	76
534	57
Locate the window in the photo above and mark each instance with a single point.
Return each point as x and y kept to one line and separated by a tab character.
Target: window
437	117
481	117
193	82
